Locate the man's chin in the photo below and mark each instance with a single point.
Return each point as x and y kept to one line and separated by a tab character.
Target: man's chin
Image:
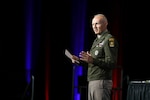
96	33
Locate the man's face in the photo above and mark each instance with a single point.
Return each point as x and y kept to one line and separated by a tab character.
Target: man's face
98	24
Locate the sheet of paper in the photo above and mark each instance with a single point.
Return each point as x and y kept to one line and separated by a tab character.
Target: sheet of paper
69	55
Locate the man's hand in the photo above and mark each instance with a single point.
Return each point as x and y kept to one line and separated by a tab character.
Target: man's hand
75	59
86	56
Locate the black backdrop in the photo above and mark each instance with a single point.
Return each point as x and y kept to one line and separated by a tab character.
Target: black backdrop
135	47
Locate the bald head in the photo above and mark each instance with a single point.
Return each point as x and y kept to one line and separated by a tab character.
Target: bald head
102	17
99	23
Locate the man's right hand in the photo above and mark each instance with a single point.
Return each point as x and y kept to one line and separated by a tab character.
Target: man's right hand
75	59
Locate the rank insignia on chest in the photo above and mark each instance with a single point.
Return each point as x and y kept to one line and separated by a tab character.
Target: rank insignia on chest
111	42
100	44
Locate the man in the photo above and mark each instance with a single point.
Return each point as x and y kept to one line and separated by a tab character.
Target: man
101	60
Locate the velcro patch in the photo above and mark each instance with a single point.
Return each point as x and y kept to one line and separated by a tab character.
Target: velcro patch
111	42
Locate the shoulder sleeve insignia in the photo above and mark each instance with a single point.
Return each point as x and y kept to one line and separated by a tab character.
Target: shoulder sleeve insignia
111	42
